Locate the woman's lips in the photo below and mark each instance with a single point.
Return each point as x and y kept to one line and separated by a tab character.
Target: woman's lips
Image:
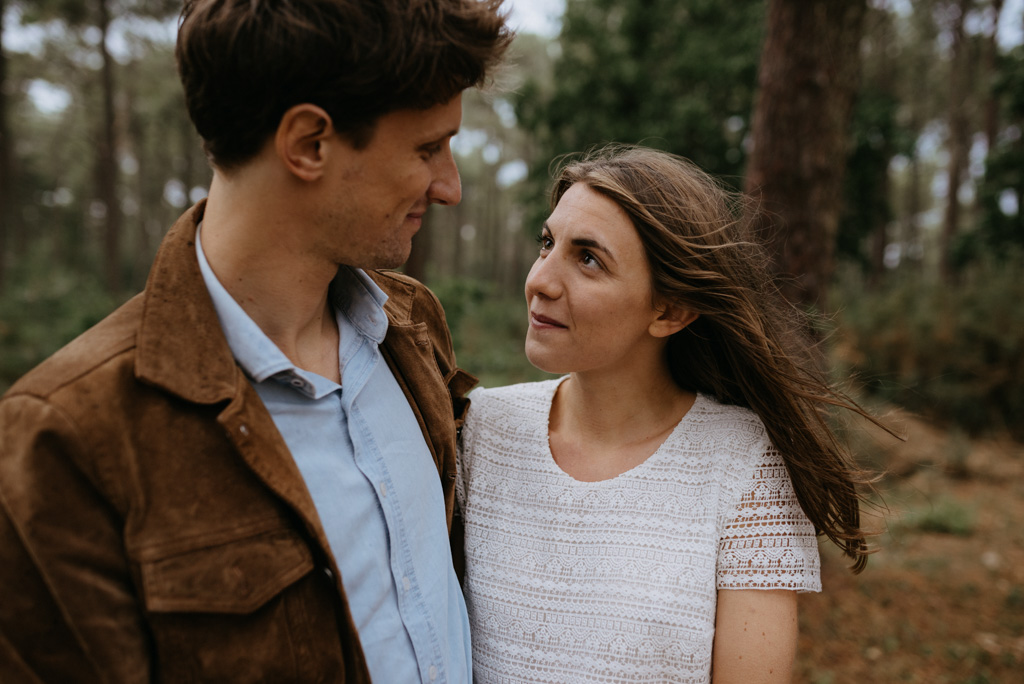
541	321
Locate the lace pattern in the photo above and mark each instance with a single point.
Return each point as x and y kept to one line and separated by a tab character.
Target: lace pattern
616	581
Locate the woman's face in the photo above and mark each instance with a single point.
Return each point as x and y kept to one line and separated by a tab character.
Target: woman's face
589	292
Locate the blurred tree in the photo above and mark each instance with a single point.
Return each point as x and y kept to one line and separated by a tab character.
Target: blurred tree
876	136
98	15
959	125
808	78
1002	192
991	74
866	210
6	166
106	155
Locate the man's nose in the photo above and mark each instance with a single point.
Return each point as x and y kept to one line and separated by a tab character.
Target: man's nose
446	187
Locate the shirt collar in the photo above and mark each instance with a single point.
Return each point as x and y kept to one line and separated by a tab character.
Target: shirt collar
355	295
352	293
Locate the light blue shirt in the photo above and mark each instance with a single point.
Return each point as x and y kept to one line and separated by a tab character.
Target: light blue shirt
372	480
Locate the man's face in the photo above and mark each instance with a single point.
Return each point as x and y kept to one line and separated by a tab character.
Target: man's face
375	197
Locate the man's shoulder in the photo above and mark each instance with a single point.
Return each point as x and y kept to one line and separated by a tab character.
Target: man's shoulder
101	345
409	300
398	286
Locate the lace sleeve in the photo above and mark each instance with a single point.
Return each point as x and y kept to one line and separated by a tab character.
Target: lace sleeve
768	543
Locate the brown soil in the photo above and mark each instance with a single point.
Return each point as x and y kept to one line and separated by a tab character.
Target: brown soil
943	599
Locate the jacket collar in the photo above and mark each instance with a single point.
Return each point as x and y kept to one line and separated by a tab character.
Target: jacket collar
180	346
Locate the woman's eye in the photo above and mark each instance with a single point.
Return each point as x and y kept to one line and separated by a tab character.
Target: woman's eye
589	259
544	242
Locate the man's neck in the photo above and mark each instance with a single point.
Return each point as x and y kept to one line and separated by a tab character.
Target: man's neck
256	251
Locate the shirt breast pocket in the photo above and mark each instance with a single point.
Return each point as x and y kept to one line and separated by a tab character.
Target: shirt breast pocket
241	610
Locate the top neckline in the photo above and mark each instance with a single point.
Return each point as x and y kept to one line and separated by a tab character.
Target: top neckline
550	456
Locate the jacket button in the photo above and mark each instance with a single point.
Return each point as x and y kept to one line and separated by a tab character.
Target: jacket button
244	429
329	574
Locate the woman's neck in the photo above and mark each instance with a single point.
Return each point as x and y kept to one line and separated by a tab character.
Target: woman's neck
603	424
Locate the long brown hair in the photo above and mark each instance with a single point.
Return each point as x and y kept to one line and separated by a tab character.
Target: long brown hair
748	346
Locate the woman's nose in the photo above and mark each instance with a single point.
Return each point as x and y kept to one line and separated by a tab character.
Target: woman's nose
543	279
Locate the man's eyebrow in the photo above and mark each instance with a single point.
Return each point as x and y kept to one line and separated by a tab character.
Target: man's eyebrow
445	136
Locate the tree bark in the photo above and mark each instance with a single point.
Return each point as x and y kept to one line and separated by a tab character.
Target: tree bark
809	75
107	160
958	143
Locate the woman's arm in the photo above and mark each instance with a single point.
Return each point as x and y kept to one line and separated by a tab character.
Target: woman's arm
755	636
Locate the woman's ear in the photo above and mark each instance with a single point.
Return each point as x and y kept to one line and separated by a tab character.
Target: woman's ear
671	319
299	140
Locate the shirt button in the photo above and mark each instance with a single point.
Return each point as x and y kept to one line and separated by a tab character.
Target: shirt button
244	429
432	672
383	489
406	584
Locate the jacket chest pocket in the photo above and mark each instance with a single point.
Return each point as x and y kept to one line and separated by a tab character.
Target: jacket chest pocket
244	610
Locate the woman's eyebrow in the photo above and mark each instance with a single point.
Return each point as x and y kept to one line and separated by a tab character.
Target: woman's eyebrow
584	242
590	243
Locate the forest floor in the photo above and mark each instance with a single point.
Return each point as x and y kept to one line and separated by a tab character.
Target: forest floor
943	599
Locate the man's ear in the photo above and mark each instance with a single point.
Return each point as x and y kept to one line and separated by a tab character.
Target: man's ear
299	140
671	319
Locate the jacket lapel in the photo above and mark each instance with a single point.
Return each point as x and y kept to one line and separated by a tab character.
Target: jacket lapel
182	350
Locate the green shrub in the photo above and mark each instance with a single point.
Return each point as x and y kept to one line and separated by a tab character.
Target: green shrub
944	516
954	352
40	312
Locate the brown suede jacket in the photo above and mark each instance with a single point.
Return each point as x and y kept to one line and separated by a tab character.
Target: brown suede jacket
153	525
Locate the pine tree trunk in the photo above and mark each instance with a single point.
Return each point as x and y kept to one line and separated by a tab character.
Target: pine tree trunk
107	160
6	163
958	143
809	74
991	72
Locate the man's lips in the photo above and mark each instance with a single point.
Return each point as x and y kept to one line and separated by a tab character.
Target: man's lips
416	214
541	321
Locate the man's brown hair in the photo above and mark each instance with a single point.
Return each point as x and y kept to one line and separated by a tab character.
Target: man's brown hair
244	63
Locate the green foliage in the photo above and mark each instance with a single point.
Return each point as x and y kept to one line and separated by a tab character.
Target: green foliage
955	353
673	74
42	310
944	516
488	332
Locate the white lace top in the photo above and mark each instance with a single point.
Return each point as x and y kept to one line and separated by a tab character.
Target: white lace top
615	581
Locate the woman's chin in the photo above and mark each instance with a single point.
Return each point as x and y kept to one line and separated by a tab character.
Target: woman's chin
544	362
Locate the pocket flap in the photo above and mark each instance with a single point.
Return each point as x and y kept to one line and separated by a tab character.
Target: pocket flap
234	577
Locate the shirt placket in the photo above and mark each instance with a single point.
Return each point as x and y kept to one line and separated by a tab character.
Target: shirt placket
369	459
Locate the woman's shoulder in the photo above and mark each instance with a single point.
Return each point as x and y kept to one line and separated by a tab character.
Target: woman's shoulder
523	395
725	428
715	415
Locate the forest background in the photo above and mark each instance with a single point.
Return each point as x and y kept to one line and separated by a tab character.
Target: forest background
883	139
